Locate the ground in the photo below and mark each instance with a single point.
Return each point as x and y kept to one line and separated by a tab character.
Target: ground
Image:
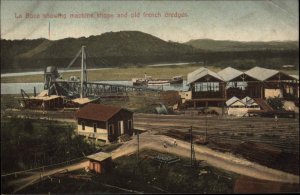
246	147
149	177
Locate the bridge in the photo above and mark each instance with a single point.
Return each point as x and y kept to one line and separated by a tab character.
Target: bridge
82	87
72	88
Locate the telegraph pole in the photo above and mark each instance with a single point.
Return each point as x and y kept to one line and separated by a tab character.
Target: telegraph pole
83	70
138	147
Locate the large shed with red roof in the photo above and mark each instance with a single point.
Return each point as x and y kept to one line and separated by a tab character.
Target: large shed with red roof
103	122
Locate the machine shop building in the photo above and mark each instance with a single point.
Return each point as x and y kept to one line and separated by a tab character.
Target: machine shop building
103	122
208	88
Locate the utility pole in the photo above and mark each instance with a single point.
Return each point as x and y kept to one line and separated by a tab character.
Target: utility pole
138	147
193	156
206	124
83	71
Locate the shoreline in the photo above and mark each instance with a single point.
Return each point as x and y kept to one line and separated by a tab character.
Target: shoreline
122	74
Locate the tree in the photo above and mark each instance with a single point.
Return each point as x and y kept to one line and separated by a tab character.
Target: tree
276	103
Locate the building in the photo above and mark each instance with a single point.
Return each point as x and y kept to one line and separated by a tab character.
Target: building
104	123
208	88
274	83
237	107
43	101
100	162
250	103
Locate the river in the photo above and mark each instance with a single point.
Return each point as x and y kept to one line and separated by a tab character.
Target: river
15	88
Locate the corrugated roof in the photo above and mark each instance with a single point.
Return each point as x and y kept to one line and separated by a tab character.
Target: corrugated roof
233	100
43	93
200	73
98	112
295	76
229	73
261	73
46	98
100	156
82	100
246	99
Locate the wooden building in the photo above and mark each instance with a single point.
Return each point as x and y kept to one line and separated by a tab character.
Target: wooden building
100	162
43	101
274	83
207	88
240	84
103	122
237	107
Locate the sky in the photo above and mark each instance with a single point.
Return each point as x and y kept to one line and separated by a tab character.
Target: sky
220	20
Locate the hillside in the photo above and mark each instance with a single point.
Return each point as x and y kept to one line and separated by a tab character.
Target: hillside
108	49
124	48
216	45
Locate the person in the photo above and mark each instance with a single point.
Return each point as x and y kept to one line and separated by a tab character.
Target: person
175	144
276	119
165	145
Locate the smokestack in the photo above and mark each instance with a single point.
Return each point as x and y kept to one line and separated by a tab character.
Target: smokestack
49	31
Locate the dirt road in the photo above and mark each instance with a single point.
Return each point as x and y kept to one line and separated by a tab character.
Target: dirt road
220	160
25	182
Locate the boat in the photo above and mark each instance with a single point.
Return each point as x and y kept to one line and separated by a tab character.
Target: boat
149	81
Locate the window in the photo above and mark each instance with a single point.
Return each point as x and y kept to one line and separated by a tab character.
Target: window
82	125
111	129
129	124
95	127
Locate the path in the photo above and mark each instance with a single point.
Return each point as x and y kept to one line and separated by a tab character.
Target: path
217	159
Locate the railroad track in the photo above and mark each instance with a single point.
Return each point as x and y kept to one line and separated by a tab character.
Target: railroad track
284	134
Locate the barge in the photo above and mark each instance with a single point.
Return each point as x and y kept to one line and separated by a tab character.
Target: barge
149	81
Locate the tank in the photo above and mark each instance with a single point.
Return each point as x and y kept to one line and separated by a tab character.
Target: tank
50	75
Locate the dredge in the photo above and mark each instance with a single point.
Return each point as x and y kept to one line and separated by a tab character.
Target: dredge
75	92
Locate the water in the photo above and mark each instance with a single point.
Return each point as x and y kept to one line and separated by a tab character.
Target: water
42	72
15	88
172	64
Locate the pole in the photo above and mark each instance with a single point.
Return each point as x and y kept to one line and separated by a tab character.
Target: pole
82	72
138	145
205	125
49	30
191	140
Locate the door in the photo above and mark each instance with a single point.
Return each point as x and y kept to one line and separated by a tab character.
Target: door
122	127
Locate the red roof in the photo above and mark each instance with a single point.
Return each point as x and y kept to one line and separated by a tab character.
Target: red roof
98	112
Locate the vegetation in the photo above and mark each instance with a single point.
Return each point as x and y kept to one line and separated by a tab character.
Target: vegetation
225	45
29	143
149	177
276	103
126	74
134	48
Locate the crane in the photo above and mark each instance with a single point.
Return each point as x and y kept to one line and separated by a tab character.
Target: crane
83	75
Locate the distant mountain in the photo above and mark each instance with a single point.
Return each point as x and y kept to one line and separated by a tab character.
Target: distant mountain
125	48
108	49
216	45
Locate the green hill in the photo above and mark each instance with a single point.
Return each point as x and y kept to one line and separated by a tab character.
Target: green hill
117	49
216	45
108	49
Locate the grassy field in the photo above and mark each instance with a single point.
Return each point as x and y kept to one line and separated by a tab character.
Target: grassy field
149	177
36	143
123	74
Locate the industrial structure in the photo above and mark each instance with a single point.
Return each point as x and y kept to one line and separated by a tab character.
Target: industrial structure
208	88
75	92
